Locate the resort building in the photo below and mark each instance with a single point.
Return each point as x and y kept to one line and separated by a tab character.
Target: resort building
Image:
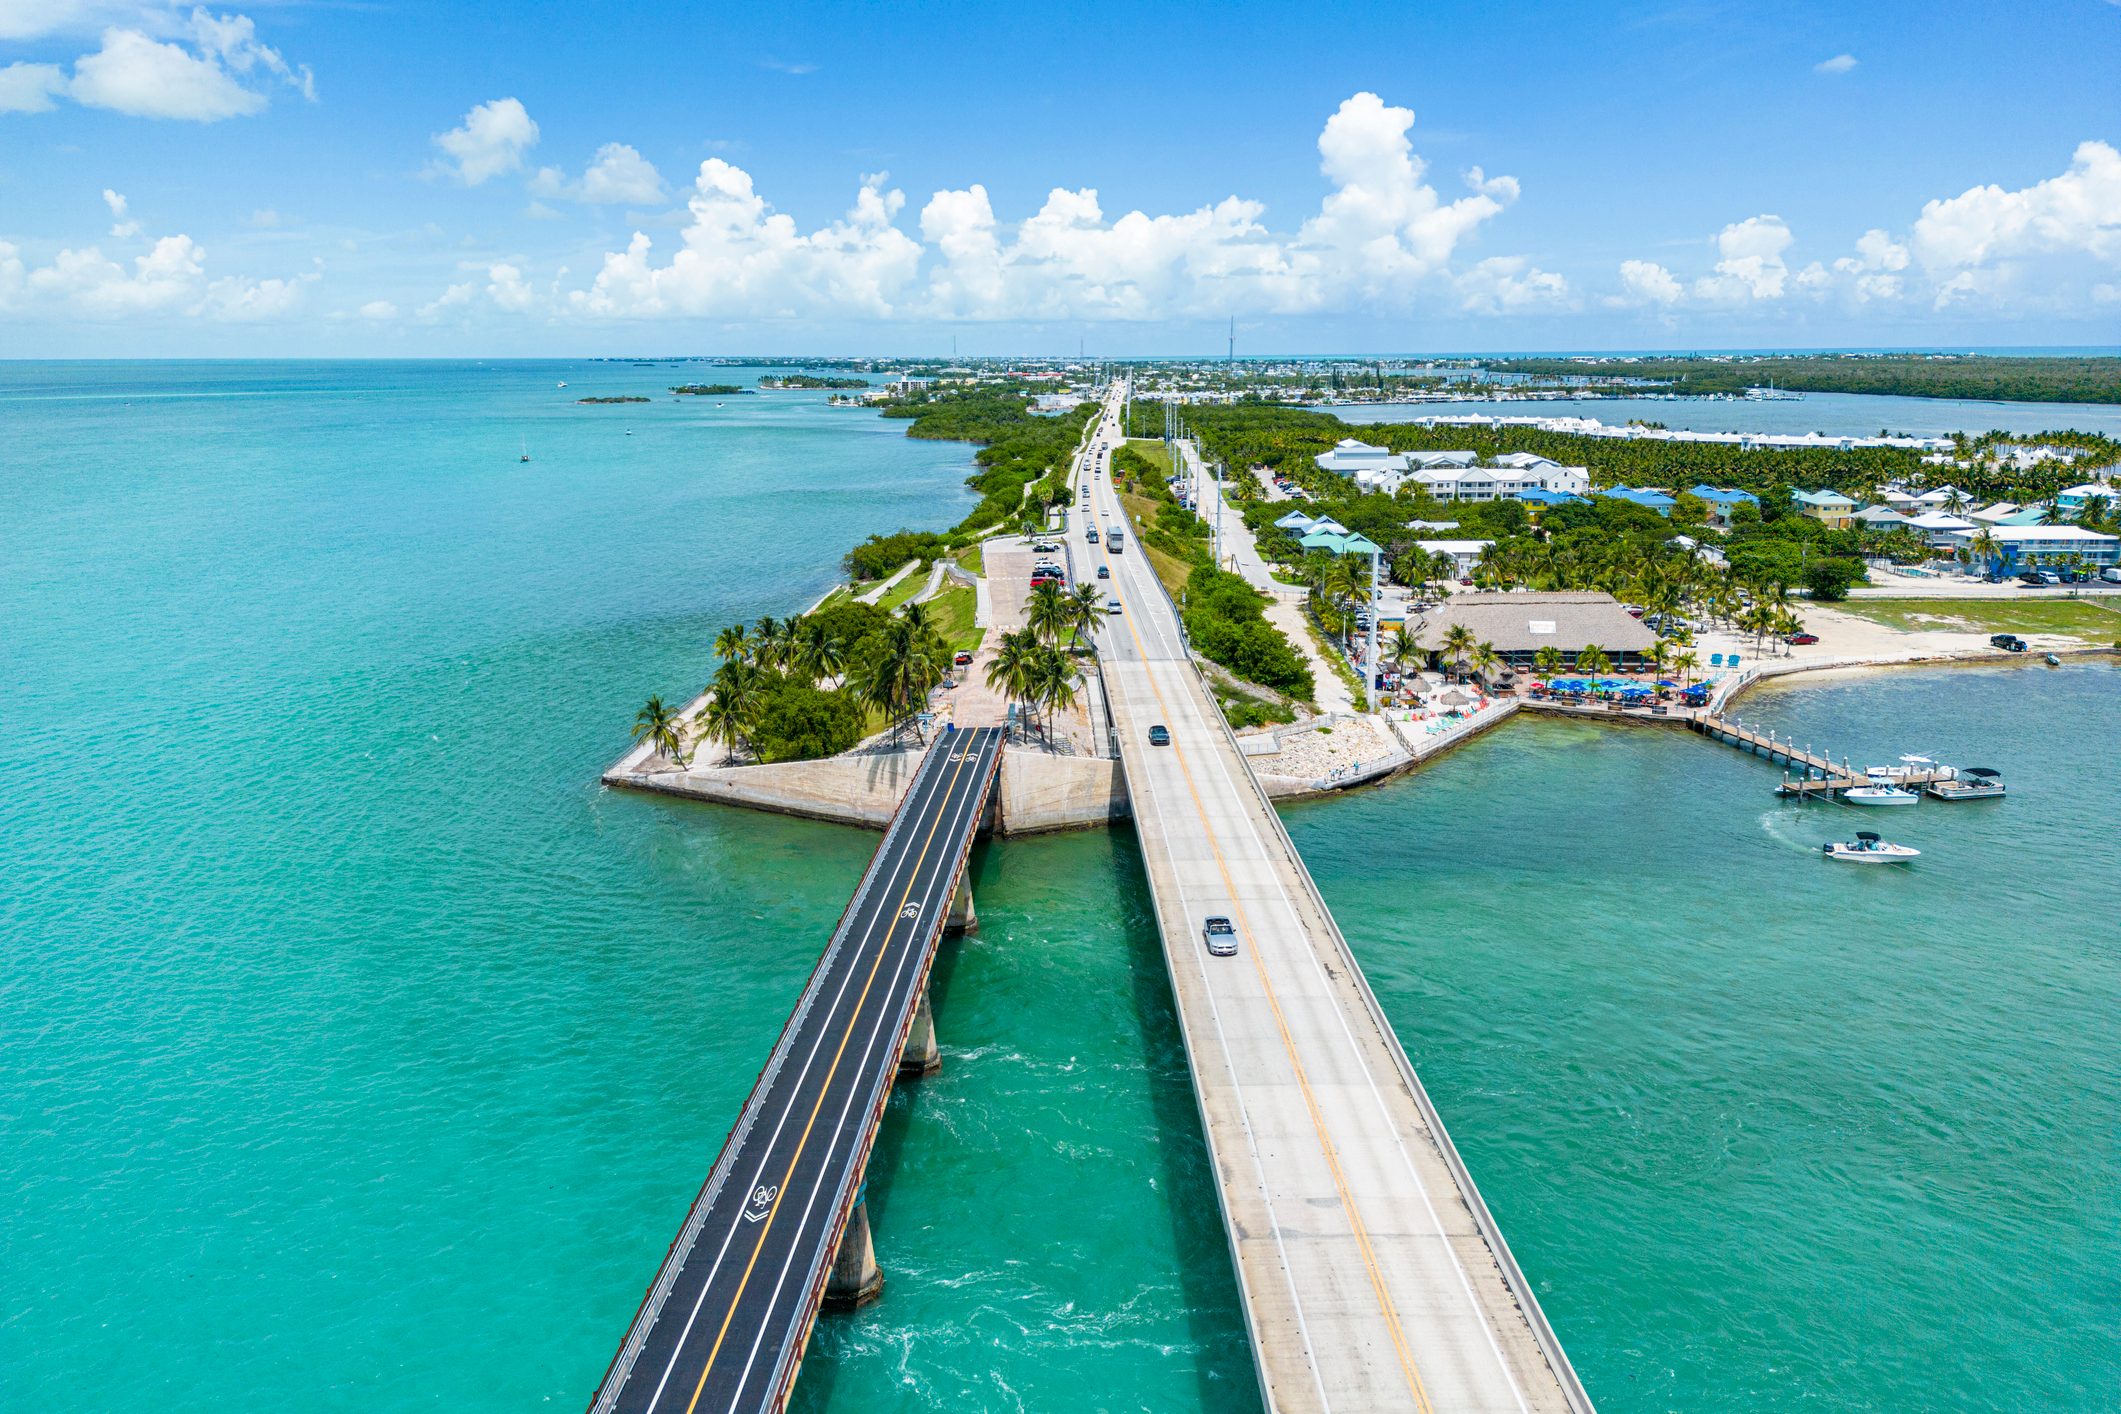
1657	501
2070	503
1941	528
1880	517
2021	547
1722	500
1465	554
1519	625
1828	507
1452	475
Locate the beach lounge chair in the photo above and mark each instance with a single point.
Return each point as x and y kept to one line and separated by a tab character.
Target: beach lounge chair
1715	660
1733	661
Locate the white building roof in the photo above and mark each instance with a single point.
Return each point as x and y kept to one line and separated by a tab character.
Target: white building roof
1454	547
2014	534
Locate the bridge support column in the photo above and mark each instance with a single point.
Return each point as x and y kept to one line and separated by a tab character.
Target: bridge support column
962	917
855	1279
921	1056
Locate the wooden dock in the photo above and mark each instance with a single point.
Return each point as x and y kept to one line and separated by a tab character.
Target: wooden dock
1813	773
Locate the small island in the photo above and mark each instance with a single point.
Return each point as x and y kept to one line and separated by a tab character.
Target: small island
708	390
631	398
806	380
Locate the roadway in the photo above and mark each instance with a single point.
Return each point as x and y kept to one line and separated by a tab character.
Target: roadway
724	1325
1371	1274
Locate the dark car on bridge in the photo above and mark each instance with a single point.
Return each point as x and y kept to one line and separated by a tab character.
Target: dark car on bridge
1158	736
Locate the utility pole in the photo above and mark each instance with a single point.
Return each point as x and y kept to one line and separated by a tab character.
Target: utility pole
1369	664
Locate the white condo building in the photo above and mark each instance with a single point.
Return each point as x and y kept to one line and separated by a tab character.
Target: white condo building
1453	476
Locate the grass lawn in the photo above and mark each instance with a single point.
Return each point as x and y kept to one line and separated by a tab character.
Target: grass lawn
974	557
2083	617
905	589
1155	451
953	611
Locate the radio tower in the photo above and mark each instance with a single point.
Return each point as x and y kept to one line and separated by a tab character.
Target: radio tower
1233	338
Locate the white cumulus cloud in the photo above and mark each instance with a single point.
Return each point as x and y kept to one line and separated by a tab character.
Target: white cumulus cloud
491	141
199	68
1839	64
1381	236
741	259
168	278
29	88
2078	212
1647	282
1751	267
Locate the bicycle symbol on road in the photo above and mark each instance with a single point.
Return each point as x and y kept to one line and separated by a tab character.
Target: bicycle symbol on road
761	1202
910	912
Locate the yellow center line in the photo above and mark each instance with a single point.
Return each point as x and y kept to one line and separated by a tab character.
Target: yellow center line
1409	1368
824	1088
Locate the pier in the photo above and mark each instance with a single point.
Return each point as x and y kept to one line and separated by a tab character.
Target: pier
1813	773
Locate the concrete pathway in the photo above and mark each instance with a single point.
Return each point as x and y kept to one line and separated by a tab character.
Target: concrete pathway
934	586
872	595
1240	552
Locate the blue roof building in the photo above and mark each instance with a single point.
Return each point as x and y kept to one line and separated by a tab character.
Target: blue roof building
1655	500
1540	496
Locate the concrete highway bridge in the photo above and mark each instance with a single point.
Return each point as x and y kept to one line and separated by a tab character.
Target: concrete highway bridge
1372	1275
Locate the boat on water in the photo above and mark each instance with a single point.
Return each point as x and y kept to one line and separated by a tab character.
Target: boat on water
563	385
1968	783
526	451
1867	848
1875	794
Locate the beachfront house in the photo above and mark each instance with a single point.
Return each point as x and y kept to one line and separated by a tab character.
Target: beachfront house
1537	497
1828	507
1451	475
1878	518
1296	523
1722	500
2023	547
1519	625
1656	500
2070	504
1465	554
1942	529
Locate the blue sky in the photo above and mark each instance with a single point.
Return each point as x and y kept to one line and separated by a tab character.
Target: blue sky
367	179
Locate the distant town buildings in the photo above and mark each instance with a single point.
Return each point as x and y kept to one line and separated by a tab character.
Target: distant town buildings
1452	475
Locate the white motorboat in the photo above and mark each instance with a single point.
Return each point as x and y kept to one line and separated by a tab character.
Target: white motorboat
1880	795
1867	848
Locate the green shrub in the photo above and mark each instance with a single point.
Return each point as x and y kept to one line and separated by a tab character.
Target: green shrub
800	723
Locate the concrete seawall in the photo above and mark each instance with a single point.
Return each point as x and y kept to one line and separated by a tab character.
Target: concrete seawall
1038	793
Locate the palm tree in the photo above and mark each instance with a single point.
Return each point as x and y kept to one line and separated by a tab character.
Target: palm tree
816	652
1403	648
661	728
1052	685
734	707
731	642
1010	672
917	616
1593	661
1984	546
1085	607
1686	661
1547	661
1484	660
1457	645
1046	612
1660	653
766	635
897	680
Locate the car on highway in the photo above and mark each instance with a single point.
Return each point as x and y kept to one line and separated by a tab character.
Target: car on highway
1092	534
1158	736
1112	607
1220	935
1104	571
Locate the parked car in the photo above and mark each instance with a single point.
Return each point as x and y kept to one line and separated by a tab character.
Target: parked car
1220	935
2111	574
962	660
2008	642
1802	639
1158	736
1044	547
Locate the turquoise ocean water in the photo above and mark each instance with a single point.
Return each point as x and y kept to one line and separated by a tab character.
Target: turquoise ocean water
358	1052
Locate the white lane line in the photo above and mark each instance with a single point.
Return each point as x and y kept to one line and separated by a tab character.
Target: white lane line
1251	830
1237	1091
930	899
773	1141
